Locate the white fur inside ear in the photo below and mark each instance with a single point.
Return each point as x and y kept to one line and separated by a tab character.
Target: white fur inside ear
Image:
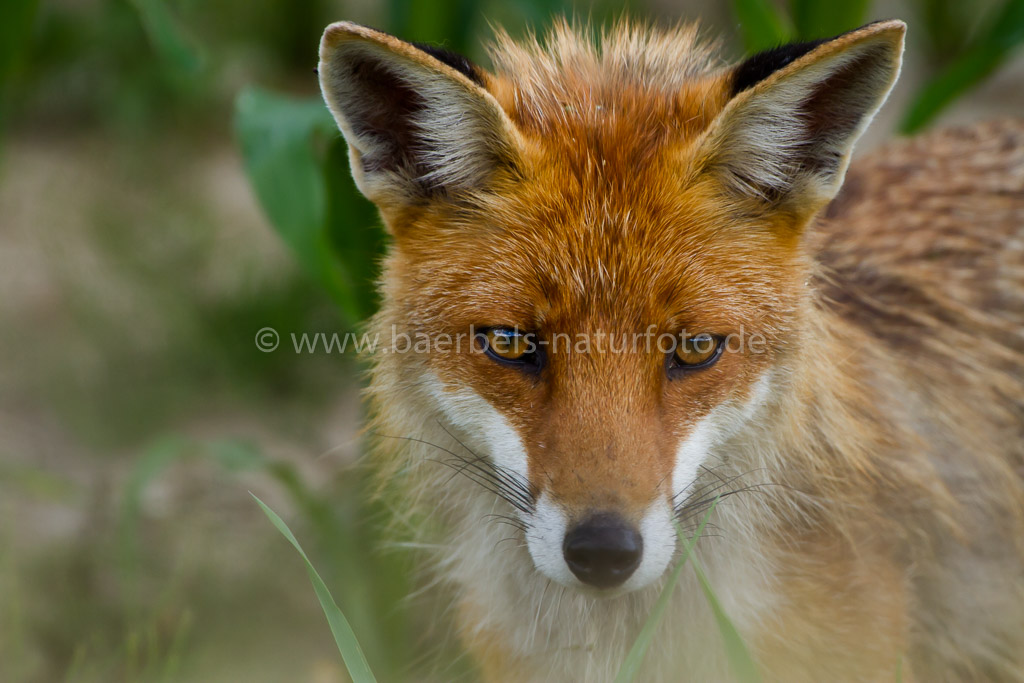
794	134
412	125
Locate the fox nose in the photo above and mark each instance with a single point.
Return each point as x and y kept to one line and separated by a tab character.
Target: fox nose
603	551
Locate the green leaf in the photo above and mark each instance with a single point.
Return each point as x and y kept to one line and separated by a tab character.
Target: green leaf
353	228
344	636
762	25
169	41
987	52
277	135
635	656
818	19
736	651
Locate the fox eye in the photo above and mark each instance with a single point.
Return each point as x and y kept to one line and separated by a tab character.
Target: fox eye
510	346
696	352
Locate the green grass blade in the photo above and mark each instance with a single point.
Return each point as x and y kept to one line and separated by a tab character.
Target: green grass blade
762	25
817	19
736	651
344	636
635	656
987	52
169	41
945	25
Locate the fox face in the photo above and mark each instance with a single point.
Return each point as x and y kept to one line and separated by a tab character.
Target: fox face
610	249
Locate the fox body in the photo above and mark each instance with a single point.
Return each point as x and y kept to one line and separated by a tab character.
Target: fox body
856	413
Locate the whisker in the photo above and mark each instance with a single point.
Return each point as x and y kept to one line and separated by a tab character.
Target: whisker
518	543
707	487
514	479
507	519
487	484
498	480
689	494
695	499
485	468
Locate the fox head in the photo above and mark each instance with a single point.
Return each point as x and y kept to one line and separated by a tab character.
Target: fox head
609	240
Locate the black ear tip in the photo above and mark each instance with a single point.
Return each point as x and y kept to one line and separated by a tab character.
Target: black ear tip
454	60
760	66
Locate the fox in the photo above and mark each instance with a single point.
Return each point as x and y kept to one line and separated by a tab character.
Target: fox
822	362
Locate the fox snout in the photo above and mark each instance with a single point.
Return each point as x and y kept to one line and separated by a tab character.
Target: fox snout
605	547
603	550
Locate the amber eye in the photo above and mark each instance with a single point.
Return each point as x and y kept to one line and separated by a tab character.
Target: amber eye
698	351
509	345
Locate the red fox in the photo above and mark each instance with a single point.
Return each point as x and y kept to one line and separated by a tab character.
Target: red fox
641	299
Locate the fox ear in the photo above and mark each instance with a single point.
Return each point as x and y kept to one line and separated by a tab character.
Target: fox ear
417	119
786	135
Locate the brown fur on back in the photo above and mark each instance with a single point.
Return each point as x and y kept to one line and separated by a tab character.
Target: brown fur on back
923	251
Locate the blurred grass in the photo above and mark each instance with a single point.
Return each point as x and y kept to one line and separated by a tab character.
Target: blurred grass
816	19
762	26
176	50
736	651
16	19
634	658
978	59
344	636
132	370
344	523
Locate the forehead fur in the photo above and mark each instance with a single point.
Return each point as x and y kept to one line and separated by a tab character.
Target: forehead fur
589	256
658	80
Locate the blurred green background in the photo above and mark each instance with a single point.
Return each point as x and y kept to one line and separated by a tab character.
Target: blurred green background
169	185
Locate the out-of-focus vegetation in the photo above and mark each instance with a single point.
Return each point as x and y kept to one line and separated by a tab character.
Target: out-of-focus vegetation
135	269
344	637
634	658
968	57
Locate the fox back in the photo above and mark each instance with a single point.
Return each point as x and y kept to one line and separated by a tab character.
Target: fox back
638	302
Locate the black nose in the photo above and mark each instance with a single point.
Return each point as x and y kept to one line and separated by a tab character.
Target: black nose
603	551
